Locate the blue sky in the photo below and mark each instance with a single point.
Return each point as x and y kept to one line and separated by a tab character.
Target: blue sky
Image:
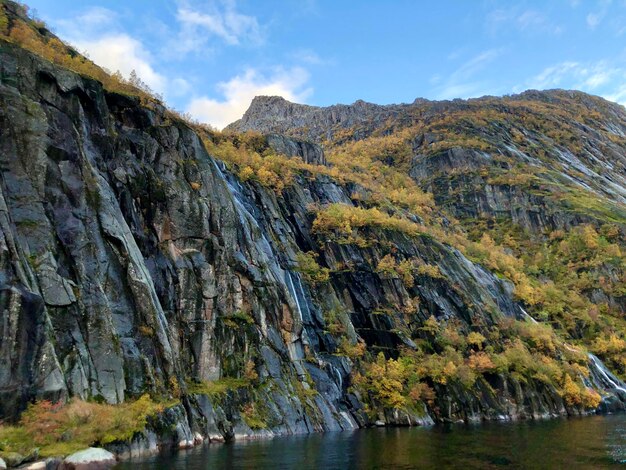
210	57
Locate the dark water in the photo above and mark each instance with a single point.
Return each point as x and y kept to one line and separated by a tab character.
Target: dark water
592	443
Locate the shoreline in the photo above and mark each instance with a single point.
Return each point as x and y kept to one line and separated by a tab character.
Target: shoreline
294	441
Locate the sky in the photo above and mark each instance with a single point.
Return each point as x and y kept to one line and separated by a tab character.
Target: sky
211	57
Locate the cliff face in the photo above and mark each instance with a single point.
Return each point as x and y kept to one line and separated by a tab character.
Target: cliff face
131	258
133	261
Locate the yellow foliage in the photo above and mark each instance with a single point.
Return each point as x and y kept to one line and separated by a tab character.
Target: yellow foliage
390	268
146	330
430	270
246	173
431	325
342	219
387	265
611	345
385	381
352	350
422	392
481	362
60	429
250	373
217	388
311	271
58	53
4	23
577	395
476	339
405	271
241	150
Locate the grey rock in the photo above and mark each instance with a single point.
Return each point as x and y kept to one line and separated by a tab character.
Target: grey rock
307	151
274	114
40	465
92	458
12	459
53	463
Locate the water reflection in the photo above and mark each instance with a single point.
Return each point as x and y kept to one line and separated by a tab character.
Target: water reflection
593	442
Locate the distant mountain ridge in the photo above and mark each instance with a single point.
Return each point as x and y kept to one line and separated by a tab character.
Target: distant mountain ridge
269	114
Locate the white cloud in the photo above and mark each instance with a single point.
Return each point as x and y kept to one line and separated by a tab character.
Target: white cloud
220	19
239	91
618	95
553	76
584	76
598	78
308	56
529	21
475	64
179	87
595	18
124	53
96	31
94	20
459	83
604	78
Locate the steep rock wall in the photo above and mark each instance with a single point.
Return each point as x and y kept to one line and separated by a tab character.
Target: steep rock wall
131	261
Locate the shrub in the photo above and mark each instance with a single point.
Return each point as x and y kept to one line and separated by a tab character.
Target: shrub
387	266
60	429
384	380
310	270
352	350
334	321
4	22
343	219
250	373
218	388
430	270
146	330
255	415
481	362
476	339
576	395
237	320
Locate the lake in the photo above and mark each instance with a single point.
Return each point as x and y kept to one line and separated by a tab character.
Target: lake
593	442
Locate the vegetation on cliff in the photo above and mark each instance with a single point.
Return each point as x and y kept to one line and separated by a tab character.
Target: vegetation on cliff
64	428
555	272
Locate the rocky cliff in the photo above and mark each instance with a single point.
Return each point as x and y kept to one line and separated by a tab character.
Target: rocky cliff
263	285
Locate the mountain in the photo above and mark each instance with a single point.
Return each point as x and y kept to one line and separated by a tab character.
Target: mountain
309	269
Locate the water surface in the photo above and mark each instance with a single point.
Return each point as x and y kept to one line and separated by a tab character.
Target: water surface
594	442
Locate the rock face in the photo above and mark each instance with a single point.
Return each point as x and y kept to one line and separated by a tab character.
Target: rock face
274	114
310	153
132	262
120	276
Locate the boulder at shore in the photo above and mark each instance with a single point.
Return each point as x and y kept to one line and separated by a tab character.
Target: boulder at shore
92	458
